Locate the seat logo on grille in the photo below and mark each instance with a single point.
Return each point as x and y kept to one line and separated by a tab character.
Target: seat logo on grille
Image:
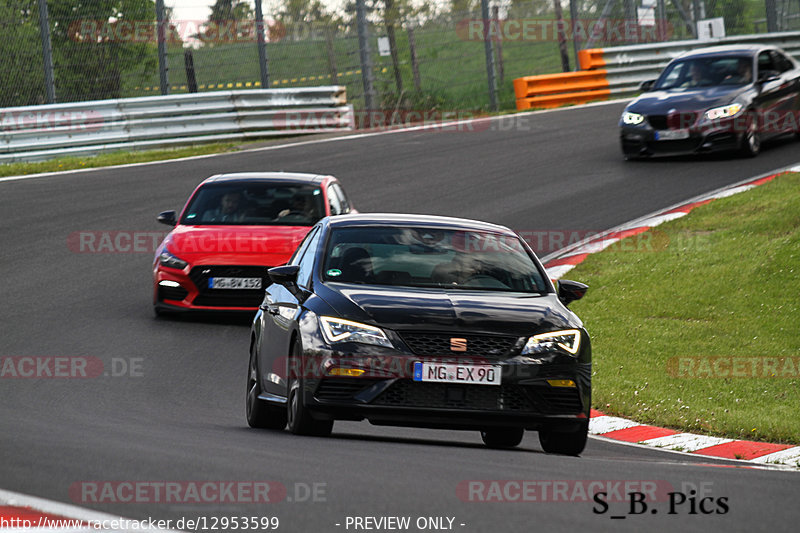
458	345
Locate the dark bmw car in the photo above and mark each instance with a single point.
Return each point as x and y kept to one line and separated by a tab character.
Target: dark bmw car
728	97
421	321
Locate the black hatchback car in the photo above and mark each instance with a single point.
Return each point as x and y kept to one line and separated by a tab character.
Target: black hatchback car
422	321
728	97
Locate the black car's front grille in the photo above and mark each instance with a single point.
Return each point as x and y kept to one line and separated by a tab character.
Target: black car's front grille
341	390
424	343
674	121
407	393
657	122
228	297
171	293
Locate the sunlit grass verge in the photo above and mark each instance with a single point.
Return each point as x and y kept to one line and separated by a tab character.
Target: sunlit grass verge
680	322
114	158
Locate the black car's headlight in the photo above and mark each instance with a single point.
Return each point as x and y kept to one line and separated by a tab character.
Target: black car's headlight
568	340
632	118
336	330
168	260
725	111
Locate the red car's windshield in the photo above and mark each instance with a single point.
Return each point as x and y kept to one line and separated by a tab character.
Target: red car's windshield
247	203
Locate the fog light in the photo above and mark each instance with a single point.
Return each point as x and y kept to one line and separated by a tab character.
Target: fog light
351	372
168	283
561	382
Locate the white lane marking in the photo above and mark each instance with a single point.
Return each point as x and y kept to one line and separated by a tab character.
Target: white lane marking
686	442
604	424
655	220
788	456
353	136
732	191
558	272
68	511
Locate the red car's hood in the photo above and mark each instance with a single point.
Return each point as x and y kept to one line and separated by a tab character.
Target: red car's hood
235	245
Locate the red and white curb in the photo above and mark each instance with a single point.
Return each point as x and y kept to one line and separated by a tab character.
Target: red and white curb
22	513
628	431
623	430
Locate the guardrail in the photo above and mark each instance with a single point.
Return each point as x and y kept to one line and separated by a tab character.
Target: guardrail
35	133
620	70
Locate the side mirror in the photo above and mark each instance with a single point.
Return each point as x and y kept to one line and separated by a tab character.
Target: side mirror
646	85
287	276
569	291
169	218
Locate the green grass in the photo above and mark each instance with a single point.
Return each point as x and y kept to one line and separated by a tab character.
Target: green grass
721	281
111	159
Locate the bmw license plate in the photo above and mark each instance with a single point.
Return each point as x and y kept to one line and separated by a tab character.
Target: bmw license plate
455	373
672	135
234	283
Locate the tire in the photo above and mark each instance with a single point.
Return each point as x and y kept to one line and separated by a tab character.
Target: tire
566	443
502	437
298	416
750	145
261	413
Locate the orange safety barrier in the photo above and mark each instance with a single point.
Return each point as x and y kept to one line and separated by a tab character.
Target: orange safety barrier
591	58
554	90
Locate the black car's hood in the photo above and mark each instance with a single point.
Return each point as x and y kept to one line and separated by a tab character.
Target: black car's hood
404	308
685	100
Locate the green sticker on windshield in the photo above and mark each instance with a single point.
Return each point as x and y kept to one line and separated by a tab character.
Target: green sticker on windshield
334	272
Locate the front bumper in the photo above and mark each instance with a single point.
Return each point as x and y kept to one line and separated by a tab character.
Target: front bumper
524	399
644	141
194	294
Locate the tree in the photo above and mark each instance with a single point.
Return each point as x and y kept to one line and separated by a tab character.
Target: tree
22	75
95	47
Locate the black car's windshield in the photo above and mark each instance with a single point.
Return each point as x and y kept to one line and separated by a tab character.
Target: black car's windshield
268	204
431	257
706	72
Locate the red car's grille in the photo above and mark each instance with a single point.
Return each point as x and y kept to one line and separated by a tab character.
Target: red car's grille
228	297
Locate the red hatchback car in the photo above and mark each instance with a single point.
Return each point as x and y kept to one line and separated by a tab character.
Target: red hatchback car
233	228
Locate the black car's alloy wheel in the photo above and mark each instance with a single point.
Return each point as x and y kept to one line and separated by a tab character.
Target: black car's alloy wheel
260	413
751	140
564	443
299	417
502	437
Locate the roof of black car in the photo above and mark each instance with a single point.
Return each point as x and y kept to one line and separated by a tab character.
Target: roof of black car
725	49
284	177
397	219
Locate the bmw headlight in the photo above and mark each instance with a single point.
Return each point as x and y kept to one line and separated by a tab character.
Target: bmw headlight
337	330
632	118
568	340
168	260
723	112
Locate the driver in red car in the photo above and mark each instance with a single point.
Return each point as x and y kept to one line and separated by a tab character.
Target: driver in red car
229	210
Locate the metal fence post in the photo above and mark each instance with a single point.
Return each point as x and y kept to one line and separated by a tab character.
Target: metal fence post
576	40
162	47
366	58
771	7
47	53
263	61
487	46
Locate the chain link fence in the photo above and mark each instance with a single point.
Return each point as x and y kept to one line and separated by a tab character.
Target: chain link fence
423	55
